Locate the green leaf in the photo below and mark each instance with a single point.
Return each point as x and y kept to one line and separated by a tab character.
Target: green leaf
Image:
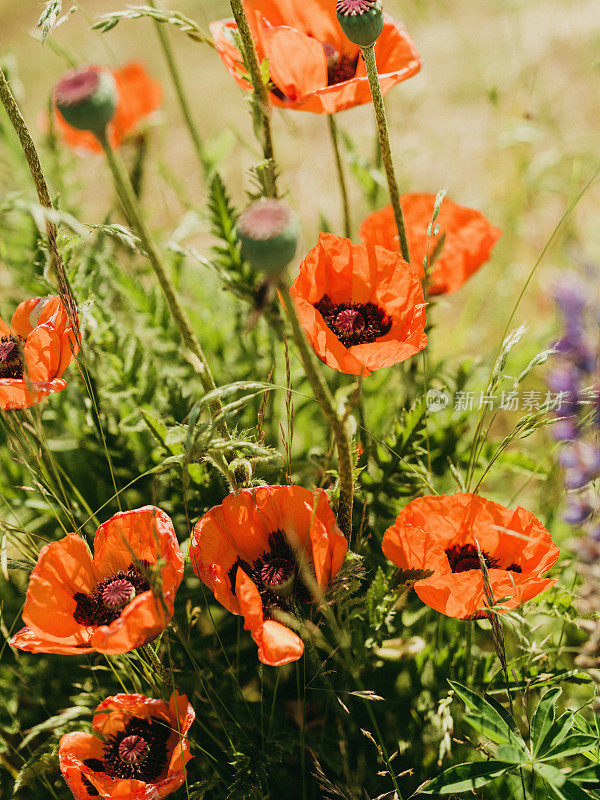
577	744
543	718
557	732
464	777
550	773
589	774
511	754
570	791
489	718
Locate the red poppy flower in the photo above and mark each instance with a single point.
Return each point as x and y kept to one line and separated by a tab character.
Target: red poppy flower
35	350
438	534
139	96
248	551
312	64
361	307
141	753
108	604
469	238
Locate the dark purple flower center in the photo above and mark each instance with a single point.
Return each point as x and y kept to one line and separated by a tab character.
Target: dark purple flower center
109	598
11	360
340	66
354	323
463	558
78	86
354	8
275	574
138	752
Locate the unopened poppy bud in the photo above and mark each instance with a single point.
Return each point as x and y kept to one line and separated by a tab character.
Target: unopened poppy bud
361	20
87	98
268	231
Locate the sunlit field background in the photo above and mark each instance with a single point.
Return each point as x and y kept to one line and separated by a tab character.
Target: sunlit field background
505	115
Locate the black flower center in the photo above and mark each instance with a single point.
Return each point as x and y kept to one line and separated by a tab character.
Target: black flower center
275	574
340	67
109	598
354	323
11	360
138	752
463	558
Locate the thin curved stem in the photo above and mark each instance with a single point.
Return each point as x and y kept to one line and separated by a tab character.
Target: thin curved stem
339	427
384	144
180	91
335	141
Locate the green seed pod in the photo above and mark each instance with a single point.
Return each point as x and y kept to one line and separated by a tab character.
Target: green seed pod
87	98
268	231
361	20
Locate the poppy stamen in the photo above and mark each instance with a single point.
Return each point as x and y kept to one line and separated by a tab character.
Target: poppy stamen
106	602
463	558
340	66
11	362
275	574
139	751
354	323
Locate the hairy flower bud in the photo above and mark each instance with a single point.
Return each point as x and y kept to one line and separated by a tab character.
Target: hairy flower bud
87	98
361	20
268	231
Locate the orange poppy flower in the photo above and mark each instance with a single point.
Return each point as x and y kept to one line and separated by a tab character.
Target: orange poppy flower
469	238
312	64
108	604
139	96
35	350
248	551
438	534
361	307
141	753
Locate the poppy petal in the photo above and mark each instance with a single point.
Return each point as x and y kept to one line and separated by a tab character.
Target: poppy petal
64	568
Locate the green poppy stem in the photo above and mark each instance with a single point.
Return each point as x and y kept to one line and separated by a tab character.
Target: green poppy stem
335	141
180	91
338	425
384	144
260	90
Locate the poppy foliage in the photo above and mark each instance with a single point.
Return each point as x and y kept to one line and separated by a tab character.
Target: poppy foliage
139	95
464	240
439	535
262	552
107	603
35	350
362	307
139	749
313	66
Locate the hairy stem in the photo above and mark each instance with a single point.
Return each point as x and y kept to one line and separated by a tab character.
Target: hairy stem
43	193
335	141
261	94
384	144
324	398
